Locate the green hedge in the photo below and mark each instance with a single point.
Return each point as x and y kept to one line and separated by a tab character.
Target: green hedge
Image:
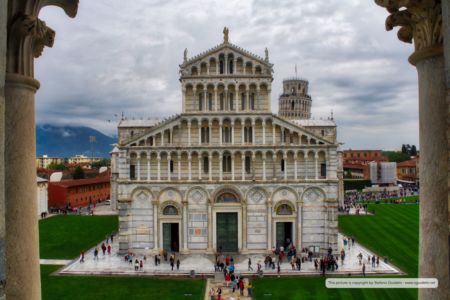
356	184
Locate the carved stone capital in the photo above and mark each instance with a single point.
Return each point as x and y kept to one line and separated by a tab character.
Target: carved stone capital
419	21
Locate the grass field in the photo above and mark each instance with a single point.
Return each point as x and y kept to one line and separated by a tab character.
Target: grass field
117	288
63	237
392	232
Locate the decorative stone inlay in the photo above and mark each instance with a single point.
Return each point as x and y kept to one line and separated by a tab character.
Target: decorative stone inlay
256	197
313	195
420	21
198	196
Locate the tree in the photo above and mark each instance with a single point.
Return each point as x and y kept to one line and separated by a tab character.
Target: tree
58	167
102	163
404	150
78	173
413	151
396	156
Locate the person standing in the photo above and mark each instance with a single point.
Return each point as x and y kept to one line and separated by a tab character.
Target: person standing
241	286
373	261
219	293
250	264
141	265
378	261
250	289
109	249
156	260
278	269
82	256
103	248
364	270
212	293
96	253
178	264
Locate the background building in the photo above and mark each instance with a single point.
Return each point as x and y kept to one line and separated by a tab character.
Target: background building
383	173
42	195
295	102
225	174
356	162
408	170
80	192
83	160
44	161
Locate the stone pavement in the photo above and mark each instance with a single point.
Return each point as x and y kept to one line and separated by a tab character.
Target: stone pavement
59	262
203	265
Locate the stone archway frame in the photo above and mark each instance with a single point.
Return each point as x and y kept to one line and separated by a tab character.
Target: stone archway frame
287	202
313	194
164	204
274	193
138	189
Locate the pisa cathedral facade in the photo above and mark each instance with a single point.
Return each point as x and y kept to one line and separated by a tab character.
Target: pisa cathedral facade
226	174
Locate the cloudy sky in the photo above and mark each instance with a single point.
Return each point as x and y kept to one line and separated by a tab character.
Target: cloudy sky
122	56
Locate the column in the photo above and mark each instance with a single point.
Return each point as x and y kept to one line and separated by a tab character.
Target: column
185	225
210	227
139	167
183	95
27	36
189	166
247	99
155	226
269	226
264	132
242	132
243	165
232	166
232	132
244	227
210	166
171	136
295	166
220	166
257	98
215	99
316	167
220	132
162	138
305	164
159	166
283	140
199	166
210	127
264	167
253	165
253	132
199	132
299	225
149	159
169	158
179	165
225	100
205	99
189	132
273	134
274	158
285	165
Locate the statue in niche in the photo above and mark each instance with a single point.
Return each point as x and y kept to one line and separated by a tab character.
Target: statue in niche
225	35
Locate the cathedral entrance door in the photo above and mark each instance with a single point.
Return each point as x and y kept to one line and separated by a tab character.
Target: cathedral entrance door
171	237
227	232
284	234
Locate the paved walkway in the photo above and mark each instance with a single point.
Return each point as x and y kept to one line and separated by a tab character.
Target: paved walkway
60	262
227	291
203	264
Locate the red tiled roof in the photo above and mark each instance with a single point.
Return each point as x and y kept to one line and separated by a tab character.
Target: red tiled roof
408	163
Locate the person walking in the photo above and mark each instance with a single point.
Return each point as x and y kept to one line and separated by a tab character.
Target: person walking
96	253
136	265
212	293
103	248
156	260
178	264
219	293
278	269
241	286
378	261
364	270
109	249
141	265
250	264
82	256
373	261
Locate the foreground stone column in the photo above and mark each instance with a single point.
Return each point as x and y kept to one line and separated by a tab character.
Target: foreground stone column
421	21
3	18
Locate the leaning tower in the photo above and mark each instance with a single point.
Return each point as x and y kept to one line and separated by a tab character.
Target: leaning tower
295	103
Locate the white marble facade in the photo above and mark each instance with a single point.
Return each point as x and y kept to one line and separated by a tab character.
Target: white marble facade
226	163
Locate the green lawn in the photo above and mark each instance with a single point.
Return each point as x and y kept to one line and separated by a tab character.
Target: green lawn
117	288
63	237
392	232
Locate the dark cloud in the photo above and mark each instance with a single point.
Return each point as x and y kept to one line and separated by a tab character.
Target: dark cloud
117	57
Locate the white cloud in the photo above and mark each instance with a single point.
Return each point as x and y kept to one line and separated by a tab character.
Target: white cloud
118	57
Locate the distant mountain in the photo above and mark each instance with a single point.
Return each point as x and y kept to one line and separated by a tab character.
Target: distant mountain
67	141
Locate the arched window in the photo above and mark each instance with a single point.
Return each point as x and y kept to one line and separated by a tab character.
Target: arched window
243	106
200	101
231	102
222	106
248	134
170	210
226	163
205	135
231	66
252	101
292	104
226	134
282	165
205	164
210	102
284	209
171	166
227	197
248	164
221	66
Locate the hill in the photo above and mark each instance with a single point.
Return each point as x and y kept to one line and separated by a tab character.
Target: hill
67	141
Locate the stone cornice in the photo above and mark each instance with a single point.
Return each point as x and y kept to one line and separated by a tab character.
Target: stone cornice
419	21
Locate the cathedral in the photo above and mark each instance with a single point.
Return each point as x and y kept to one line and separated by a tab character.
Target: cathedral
226	174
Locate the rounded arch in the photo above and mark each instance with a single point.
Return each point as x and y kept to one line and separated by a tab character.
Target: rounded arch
136	192
170	194
167	204
284	208
228	189
282	194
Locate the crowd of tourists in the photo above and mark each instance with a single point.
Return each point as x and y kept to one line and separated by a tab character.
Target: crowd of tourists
225	264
